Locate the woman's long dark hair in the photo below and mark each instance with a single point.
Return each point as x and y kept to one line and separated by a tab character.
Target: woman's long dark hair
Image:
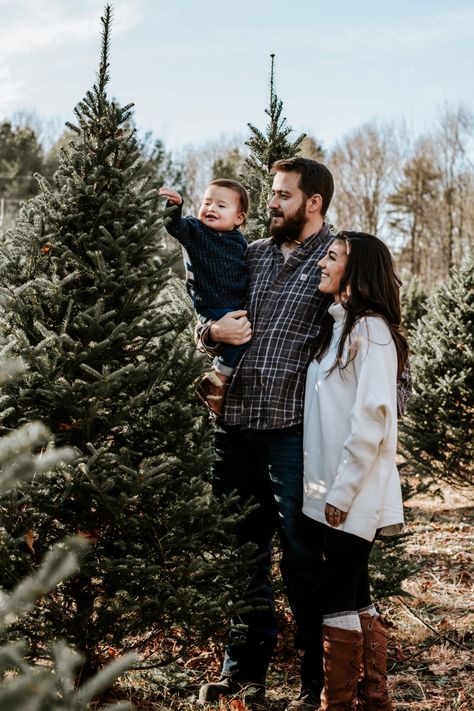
369	286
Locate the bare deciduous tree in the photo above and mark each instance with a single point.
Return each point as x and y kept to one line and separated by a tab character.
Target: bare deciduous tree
199	163
413	210
364	164
453	138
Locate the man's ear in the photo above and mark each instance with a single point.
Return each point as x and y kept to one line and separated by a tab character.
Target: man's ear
315	203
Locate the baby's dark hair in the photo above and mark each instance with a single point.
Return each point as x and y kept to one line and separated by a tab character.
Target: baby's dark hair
244	202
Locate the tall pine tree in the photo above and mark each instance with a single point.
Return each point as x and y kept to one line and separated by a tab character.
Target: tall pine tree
91	305
266	148
437	434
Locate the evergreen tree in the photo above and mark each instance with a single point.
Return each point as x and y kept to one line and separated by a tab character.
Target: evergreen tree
265	149
228	165
49	686
411	212
92	307
158	165
437	434
413	302
21	155
389	565
29	687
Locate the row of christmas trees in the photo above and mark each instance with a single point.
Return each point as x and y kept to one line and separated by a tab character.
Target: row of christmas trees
90	305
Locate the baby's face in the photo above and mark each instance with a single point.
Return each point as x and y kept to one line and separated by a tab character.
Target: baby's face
220	209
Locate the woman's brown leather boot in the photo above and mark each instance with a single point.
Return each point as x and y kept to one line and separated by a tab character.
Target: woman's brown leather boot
342	664
373	690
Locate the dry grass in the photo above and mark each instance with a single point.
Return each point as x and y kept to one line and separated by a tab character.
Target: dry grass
432	637
430	641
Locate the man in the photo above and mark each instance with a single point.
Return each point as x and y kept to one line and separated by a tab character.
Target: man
259	441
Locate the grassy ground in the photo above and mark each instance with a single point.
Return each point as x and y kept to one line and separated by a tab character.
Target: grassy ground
433	634
431	661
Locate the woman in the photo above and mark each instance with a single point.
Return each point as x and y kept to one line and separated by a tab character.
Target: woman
352	487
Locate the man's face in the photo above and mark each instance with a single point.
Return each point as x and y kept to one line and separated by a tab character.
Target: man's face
287	207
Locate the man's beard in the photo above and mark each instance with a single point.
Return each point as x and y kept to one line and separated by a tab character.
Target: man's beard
291	228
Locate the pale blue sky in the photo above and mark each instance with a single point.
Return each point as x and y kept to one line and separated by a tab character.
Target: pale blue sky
197	70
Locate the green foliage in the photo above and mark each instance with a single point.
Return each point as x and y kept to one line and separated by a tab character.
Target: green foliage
265	149
413	302
229	165
158	167
21	156
411	211
437	433
50	686
91	305
23	686
389	566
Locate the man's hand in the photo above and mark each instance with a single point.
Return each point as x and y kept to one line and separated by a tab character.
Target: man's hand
233	328
334	516
171	195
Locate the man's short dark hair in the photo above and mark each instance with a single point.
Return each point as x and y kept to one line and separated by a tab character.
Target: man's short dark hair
315	178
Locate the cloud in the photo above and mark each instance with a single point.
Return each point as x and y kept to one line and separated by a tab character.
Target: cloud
436	30
11	89
29	28
32	25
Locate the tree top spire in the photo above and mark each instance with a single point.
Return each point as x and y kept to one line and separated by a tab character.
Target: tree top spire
272	77
106	21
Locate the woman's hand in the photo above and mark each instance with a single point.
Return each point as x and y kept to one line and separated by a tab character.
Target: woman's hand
334	516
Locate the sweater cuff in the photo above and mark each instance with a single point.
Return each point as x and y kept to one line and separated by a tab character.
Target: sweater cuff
204	342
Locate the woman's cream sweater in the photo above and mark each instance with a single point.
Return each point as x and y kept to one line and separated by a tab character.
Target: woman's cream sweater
350	431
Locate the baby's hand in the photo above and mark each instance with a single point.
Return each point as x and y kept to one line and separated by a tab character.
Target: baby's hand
172	196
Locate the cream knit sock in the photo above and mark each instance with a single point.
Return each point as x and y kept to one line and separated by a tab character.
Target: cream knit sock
343	620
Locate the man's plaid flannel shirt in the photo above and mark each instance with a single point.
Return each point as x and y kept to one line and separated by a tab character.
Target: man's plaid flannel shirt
285	309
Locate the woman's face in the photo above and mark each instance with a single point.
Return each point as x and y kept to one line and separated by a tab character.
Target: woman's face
332	268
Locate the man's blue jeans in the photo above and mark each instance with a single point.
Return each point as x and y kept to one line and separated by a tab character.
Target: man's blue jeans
266	467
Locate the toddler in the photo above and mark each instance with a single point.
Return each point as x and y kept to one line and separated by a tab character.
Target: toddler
216	273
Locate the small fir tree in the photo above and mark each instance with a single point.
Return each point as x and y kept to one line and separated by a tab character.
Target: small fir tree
49	686
264	150
389	565
104	328
25	686
437	434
